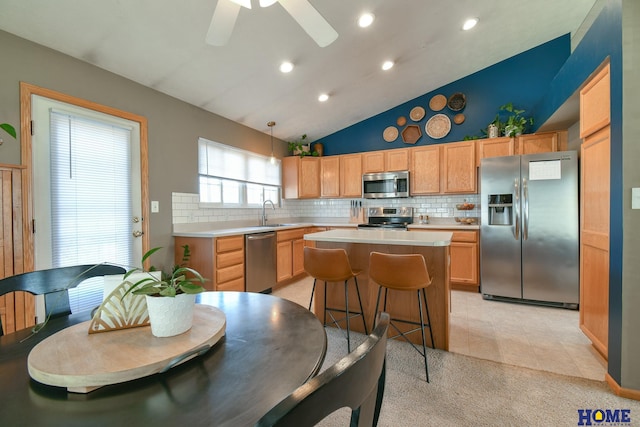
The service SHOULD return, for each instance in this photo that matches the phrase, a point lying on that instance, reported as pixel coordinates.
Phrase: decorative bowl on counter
(467, 220)
(465, 206)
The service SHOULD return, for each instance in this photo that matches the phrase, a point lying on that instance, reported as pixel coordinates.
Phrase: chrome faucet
(263, 219)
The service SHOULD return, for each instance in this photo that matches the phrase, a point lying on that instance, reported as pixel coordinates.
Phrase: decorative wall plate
(457, 101)
(438, 102)
(390, 134)
(411, 134)
(402, 120)
(438, 126)
(458, 118)
(417, 114)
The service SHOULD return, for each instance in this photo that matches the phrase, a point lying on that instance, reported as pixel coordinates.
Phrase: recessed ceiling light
(387, 65)
(266, 3)
(245, 3)
(365, 20)
(323, 97)
(469, 24)
(286, 67)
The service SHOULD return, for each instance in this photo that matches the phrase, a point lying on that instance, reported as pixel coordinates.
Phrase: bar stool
(332, 265)
(405, 272)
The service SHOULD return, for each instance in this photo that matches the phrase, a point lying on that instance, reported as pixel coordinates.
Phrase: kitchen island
(434, 246)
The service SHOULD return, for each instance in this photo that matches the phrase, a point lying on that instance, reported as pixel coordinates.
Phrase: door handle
(516, 192)
(525, 214)
(137, 233)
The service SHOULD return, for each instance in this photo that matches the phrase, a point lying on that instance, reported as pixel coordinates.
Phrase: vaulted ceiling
(161, 44)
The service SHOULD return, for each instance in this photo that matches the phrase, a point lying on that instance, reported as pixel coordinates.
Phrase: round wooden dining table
(271, 347)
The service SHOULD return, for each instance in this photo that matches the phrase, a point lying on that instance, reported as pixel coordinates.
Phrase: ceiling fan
(226, 13)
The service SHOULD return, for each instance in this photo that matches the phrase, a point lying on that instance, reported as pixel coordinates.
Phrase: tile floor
(542, 338)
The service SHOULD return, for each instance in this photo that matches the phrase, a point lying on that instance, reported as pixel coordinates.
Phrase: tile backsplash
(186, 208)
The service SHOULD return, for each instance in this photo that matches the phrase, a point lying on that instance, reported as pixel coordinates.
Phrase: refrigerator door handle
(516, 223)
(525, 214)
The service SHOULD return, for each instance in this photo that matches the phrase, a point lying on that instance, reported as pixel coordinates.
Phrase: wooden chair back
(54, 284)
(356, 381)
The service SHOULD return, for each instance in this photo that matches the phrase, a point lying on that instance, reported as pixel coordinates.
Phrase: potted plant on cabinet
(170, 299)
(516, 123)
(301, 147)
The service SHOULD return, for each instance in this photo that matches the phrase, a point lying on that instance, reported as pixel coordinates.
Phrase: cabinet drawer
(231, 243)
(227, 259)
(229, 273)
(232, 285)
(296, 233)
(464, 236)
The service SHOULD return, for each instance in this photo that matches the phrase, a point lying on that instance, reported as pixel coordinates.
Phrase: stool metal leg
(364, 321)
(424, 347)
(426, 305)
(324, 314)
(312, 292)
(346, 302)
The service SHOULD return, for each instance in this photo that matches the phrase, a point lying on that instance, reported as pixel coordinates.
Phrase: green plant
(298, 146)
(176, 282)
(9, 129)
(516, 123)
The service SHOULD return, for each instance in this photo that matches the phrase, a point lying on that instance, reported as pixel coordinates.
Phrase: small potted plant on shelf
(301, 147)
(171, 297)
(516, 123)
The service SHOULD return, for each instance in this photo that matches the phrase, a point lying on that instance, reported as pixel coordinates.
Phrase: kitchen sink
(276, 225)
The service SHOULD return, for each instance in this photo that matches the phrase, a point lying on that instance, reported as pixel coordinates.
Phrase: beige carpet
(466, 391)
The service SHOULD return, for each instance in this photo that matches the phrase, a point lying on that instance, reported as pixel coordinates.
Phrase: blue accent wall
(522, 79)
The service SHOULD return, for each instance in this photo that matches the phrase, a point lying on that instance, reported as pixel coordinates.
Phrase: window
(236, 178)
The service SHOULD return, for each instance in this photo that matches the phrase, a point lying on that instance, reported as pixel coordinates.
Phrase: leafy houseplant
(301, 147)
(171, 298)
(516, 123)
(9, 129)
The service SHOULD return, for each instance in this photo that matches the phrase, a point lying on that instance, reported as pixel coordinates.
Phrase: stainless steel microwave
(385, 185)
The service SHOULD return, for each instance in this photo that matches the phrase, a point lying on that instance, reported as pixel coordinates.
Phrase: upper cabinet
(459, 173)
(301, 177)
(495, 147)
(385, 161)
(424, 170)
(351, 175)
(330, 176)
(537, 143)
(523, 144)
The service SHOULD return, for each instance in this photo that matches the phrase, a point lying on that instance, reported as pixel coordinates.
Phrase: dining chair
(356, 381)
(54, 284)
(332, 265)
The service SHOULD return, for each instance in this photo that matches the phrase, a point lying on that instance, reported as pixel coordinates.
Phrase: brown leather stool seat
(332, 265)
(403, 272)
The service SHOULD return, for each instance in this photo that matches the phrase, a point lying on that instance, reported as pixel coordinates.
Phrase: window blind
(90, 198)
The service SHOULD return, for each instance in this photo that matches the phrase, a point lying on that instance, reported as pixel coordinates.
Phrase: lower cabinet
(464, 259)
(220, 260)
(289, 254)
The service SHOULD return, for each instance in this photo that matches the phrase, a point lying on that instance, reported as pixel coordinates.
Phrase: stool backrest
(329, 265)
(399, 271)
(356, 381)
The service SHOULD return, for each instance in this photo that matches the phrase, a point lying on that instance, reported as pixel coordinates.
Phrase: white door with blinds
(86, 192)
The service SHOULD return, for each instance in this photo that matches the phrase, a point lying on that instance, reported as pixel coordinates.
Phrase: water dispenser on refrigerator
(500, 209)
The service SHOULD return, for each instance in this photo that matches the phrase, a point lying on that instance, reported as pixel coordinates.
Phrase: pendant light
(271, 124)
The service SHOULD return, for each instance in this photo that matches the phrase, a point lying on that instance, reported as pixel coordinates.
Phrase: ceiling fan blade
(222, 22)
(311, 21)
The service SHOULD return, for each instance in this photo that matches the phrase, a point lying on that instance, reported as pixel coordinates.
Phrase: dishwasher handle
(260, 236)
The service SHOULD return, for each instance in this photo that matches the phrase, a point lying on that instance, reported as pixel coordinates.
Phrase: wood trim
(26, 90)
(629, 393)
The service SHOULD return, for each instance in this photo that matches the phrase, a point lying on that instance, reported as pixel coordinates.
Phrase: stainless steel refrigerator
(529, 228)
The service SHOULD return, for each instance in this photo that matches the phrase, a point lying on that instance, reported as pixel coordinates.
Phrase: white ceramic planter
(170, 316)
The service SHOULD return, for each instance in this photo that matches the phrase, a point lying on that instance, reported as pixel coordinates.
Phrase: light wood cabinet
(351, 175)
(495, 147)
(289, 254)
(385, 160)
(465, 260)
(17, 309)
(459, 170)
(301, 177)
(595, 130)
(424, 171)
(219, 260)
(537, 143)
(330, 176)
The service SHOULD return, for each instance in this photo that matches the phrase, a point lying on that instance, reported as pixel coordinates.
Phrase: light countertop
(385, 237)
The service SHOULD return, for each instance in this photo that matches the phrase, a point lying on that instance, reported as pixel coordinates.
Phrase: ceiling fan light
(469, 24)
(365, 20)
(243, 3)
(286, 67)
(267, 3)
(387, 65)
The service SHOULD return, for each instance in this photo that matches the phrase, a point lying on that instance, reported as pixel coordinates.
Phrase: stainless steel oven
(385, 185)
(388, 218)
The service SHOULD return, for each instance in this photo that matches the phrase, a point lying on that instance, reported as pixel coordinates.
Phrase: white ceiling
(161, 44)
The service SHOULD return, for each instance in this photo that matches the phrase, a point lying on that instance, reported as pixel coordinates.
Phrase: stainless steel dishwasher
(260, 261)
